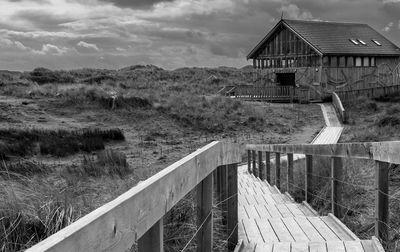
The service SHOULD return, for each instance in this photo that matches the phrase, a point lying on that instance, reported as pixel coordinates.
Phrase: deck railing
(268, 93)
(137, 215)
(374, 92)
(383, 153)
(337, 103)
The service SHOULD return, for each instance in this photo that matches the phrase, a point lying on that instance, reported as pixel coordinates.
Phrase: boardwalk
(272, 221)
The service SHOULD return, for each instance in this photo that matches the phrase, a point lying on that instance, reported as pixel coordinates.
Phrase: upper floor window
(361, 42)
(354, 41)
(376, 42)
(358, 62)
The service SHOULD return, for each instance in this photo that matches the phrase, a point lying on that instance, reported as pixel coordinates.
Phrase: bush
(107, 162)
(22, 167)
(43, 75)
(60, 143)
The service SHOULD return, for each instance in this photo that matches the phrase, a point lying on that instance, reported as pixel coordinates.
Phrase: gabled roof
(334, 38)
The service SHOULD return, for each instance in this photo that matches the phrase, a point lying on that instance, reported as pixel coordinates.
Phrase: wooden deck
(272, 221)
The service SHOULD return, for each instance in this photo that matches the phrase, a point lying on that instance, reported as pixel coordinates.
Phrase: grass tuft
(107, 162)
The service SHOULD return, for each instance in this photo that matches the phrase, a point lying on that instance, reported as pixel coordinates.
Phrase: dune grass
(60, 143)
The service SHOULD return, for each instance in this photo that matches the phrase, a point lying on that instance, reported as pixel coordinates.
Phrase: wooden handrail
(337, 103)
(379, 151)
(374, 92)
(137, 214)
(383, 153)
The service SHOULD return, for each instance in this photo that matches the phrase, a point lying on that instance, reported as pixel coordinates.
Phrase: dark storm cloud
(135, 4)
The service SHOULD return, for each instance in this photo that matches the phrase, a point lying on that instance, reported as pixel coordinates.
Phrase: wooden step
(313, 246)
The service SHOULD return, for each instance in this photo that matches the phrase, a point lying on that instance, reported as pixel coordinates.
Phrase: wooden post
(308, 176)
(289, 175)
(336, 188)
(204, 214)
(249, 161)
(254, 161)
(224, 191)
(232, 206)
(260, 165)
(268, 166)
(278, 170)
(152, 240)
(382, 200)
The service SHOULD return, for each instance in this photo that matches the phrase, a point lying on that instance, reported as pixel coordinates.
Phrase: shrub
(22, 167)
(21, 142)
(43, 75)
(107, 162)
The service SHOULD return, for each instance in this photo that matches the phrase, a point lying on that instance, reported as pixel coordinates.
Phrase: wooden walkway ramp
(270, 221)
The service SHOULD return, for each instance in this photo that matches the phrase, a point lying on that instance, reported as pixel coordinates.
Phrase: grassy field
(76, 140)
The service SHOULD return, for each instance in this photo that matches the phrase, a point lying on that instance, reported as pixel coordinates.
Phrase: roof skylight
(354, 41)
(376, 42)
(362, 42)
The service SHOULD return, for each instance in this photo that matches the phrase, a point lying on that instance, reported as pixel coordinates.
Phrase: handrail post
(224, 190)
(336, 189)
(254, 161)
(260, 165)
(308, 176)
(289, 174)
(381, 200)
(232, 206)
(268, 166)
(204, 214)
(278, 170)
(152, 240)
(249, 161)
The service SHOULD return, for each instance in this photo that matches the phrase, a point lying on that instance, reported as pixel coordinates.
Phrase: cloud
(139, 4)
(388, 27)
(50, 49)
(92, 47)
(292, 11)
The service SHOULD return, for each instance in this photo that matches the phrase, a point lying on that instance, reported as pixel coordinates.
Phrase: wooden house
(324, 57)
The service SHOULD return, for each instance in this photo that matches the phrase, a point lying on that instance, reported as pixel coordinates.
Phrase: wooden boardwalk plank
(252, 231)
(309, 229)
(262, 247)
(242, 232)
(299, 247)
(337, 229)
(294, 209)
(273, 211)
(353, 246)
(317, 246)
(281, 230)
(323, 229)
(294, 229)
(242, 212)
(252, 212)
(262, 212)
(266, 231)
(285, 212)
(335, 246)
(281, 247)
(368, 245)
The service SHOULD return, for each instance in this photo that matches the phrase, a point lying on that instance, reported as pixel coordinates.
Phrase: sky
(71, 34)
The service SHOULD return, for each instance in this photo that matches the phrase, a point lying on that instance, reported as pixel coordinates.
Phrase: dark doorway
(286, 79)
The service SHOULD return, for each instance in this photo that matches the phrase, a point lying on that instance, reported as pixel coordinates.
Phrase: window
(366, 61)
(350, 62)
(334, 62)
(361, 42)
(358, 62)
(372, 61)
(376, 42)
(354, 41)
